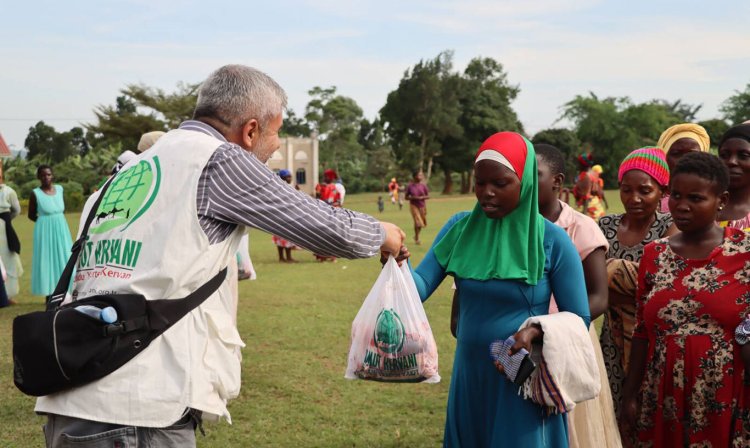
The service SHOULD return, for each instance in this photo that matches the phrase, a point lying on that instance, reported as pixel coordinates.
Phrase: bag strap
(163, 313)
(56, 298)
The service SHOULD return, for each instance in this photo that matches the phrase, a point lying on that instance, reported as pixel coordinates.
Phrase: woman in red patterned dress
(685, 382)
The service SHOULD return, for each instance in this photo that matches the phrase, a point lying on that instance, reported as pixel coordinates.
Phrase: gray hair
(234, 94)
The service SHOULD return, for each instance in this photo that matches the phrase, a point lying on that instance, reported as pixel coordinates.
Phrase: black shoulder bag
(61, 347)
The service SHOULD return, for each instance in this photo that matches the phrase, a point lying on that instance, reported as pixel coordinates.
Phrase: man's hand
(403, 254)
(394, 238)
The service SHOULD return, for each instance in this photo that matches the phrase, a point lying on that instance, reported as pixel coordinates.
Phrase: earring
(721, 207)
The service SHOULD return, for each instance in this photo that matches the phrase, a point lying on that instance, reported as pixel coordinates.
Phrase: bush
(74, 201)
(74, 198)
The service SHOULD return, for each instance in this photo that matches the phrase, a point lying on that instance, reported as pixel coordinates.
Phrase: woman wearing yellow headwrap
(679, 140)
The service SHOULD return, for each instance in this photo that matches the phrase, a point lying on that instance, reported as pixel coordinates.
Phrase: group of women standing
(52, 240)
(672, 278)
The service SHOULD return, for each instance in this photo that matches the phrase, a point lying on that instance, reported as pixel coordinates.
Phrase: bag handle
(56, 298)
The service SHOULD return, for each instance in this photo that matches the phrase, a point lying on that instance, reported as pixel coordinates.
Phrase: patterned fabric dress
(620, 319)
(693, 389)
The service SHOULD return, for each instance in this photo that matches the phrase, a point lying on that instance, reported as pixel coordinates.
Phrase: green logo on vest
(128, 197)
(389, 332)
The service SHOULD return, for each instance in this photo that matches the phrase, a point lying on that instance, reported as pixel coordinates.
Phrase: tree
(122, 124)
(485, 98)
(715, 127)
(563, 139)
(422, 111)
(44, 143)
(685, 112)
(381, 162)
(736, 108)
(141, 109)
(78, 139)
(337, 120)
(294, 126)
(612, 127)
(172, 108)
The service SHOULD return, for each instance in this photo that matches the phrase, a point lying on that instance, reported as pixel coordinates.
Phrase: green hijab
(509, 248)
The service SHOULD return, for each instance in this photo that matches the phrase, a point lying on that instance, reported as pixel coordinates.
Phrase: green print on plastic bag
(389, 332)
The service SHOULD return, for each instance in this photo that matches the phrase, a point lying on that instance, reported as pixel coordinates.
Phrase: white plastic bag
(391, 338)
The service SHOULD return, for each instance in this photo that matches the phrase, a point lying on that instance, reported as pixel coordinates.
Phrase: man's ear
(250, 133)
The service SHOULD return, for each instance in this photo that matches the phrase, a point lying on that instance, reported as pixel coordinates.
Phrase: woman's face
(640, 194)
(680, 148)
(498, 189)
(735, 153)
(45, 176)
(694, 202)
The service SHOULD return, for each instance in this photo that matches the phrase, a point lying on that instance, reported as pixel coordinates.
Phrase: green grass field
(295, 320)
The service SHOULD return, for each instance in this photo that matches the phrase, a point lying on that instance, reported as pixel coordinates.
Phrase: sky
(59, 60)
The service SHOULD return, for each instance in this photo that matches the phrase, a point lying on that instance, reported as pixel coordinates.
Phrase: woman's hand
(403, 254)
(523, 338)
(628, 420)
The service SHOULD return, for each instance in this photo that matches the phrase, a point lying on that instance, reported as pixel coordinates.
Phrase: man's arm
(239, 189)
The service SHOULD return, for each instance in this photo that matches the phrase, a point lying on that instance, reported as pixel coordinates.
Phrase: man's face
(268, 142)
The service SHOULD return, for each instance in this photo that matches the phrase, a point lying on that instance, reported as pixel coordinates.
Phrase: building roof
(4, 150)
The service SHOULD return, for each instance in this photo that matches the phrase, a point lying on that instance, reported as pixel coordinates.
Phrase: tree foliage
(141, 109)
(422, 111)
(736, 108)
(715, 127)
(566, 141)
(485, 97)
(294, 126)
(612, 127)
(45, 143)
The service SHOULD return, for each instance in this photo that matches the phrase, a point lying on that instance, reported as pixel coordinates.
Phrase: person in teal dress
(506, 260)
(52, 240)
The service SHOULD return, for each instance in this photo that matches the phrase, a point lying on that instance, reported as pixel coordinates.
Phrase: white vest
(146, 239)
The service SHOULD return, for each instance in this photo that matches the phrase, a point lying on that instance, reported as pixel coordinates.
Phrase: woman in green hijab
(506, 260)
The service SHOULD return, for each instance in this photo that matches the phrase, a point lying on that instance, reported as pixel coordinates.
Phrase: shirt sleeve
(240, 189)
(589, 238)
(566, 277)
(15, 206)
(644, 287)
(429, 274)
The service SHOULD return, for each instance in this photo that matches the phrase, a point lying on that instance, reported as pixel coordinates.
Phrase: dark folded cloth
(14, 244)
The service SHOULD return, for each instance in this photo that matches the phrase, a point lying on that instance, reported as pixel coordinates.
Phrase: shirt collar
(199, 126)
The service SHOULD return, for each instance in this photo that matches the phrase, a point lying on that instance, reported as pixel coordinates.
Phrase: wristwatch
(742, 333)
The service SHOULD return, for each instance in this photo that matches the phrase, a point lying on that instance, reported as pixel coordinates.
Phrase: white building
(300, 157)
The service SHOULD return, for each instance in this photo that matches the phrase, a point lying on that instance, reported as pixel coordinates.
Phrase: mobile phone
(517, 367)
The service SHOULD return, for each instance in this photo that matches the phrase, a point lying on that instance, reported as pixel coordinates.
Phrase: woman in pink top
(591, 423)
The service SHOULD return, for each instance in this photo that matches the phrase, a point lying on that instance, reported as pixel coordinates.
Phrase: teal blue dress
(52, 242)
(484, 408)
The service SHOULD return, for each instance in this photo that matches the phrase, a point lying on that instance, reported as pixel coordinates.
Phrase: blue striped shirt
(235, 188)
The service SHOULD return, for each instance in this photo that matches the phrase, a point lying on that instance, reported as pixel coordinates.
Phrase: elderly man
(184, 205)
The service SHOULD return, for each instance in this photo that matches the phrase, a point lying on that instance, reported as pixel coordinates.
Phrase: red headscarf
(511, 145)
(330, 174)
